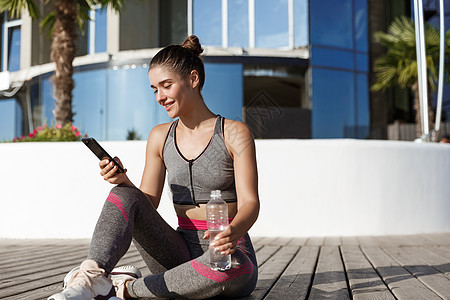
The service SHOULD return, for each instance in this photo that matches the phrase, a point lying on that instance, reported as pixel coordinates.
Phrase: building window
(276, 24)
(97, 31)
(10, 119)
(93, 39)
(337, 30)
(172, 22)
(238, 25)
(271, 24)
(139, 25)
(276, 103)
(10, 44)
(207, 21)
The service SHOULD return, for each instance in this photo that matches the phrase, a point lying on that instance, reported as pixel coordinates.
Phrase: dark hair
(182, 58)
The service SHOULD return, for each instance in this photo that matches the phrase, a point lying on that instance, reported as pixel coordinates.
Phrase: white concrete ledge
(307, 188)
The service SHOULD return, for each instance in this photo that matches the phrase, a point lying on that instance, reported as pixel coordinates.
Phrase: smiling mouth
(168, 105)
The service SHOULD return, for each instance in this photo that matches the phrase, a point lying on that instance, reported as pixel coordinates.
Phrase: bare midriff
(199, 213)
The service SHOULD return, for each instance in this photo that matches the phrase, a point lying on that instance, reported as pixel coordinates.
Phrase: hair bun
(192, 43)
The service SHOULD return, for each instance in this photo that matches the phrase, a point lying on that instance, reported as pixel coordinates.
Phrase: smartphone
(95, 147)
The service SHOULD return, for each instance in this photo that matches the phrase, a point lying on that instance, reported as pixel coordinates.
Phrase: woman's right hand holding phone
(108, 170)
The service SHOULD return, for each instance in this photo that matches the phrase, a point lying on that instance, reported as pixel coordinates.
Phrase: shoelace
(84, 278)
(119, 287)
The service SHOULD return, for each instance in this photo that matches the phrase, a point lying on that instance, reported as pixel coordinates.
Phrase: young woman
(201, 152)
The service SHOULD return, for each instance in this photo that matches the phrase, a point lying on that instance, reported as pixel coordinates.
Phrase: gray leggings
(177, 259)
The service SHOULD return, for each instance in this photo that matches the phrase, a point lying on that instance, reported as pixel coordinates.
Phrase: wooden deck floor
(388, 267)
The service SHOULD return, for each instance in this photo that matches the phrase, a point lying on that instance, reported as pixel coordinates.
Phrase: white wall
(307, 188)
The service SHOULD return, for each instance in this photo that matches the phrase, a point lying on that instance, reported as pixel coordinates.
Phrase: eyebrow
(161, 82)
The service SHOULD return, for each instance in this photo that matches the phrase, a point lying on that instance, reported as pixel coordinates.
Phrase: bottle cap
(216, 193)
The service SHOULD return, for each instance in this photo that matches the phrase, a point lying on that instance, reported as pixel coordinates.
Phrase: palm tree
(62, 22)
(399, 65)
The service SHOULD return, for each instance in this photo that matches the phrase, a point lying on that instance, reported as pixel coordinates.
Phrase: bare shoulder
(238, 136)
(160, 130)
(157, 136)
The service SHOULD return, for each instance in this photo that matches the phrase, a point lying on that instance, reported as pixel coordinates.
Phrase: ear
(194, 79)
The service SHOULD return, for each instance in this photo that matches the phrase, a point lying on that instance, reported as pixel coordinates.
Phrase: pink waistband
(193, 224)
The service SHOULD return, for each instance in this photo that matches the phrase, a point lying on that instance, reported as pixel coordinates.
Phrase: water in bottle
(217, 221)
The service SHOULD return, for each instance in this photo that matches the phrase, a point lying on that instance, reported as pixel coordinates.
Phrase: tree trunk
(63, 53)
(415, 90)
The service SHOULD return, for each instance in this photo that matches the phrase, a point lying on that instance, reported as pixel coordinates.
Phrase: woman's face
(171, 91)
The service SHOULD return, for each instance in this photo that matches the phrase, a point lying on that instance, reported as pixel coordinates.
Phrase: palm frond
(83, 8)
(14, 8)
(47, 23)
(117, 5)
(400, 58)
(432, 72)
(408, 74)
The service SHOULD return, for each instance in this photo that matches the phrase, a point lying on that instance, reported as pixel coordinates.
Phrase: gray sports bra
(191, 181)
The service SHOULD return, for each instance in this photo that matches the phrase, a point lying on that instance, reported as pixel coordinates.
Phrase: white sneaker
(84, 283)
(120, 275)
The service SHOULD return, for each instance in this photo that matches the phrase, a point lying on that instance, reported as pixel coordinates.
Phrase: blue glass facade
(10, 119)
(110, 102)
(301, 26)
(207, 21)
(339, 64)
(100, 30)
(271, 28)
(238, 26)
(273, 34)
(14, 49)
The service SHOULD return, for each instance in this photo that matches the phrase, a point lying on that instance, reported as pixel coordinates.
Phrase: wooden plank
(429, 276)
(265, 253)
(329, 279)
(315, 241)
(296, 279)
(431, 259)
(349, 241)
(257, 247)
(277, 241)
(427, 240)
(442, 239)
(255, 239)
(42, 288)
(41, 261)
(402, 284)
(441, 251)
(332, 241)
(364, 281)
(297, 241)
(13, 250)
(266, 241)
(367, 240)
(430, 256)
(388, 241)
(416, 240)
(44, 265)
(269, 272)
(397, 240)
(46, 291)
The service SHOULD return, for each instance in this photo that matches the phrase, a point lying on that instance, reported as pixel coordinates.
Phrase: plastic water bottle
(217, 221)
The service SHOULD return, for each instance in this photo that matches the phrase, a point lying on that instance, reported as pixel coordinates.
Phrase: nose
(160, 97)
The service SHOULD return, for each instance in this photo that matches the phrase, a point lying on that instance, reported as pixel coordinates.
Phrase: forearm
(245, 218)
